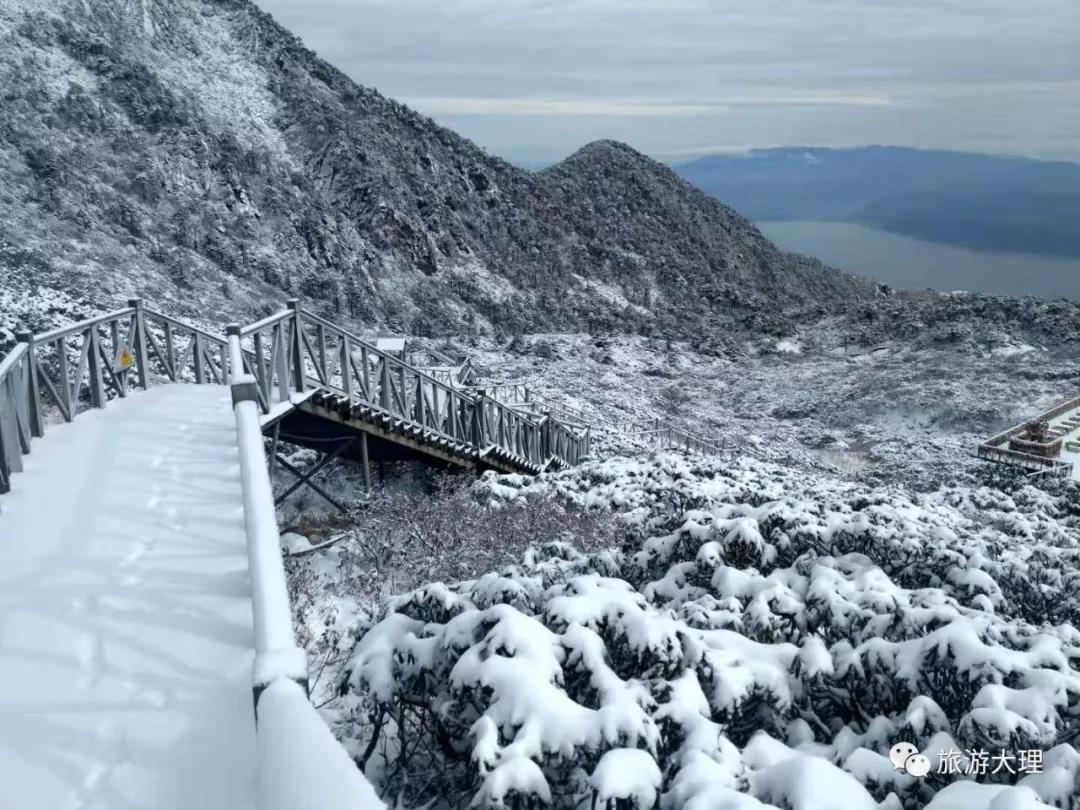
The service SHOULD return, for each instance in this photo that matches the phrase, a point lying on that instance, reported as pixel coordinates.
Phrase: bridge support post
(142, 357)
(306, 477)
(273, 450)
(365, 462)
(33, 394)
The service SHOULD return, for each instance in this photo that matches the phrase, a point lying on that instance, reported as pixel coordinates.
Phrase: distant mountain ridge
(196, 153)
(959, 198)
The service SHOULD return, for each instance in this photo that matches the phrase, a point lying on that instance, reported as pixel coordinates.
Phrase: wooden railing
(295, 350)
(997, 447)
(1004, 455)
(82, 366)
(439, 364)
(664, 437)
(655, 432)
(525, 398)
(15, 413)
(1059, 470)
(74, 368)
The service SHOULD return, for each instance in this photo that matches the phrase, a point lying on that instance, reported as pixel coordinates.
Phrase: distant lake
(908, 263)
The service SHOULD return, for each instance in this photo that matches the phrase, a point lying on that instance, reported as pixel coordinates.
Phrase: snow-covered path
(125, 612)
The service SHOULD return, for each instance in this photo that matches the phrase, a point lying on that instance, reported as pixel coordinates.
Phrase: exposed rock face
(194, 152)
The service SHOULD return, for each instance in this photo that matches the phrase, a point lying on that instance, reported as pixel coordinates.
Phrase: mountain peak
(609, 152)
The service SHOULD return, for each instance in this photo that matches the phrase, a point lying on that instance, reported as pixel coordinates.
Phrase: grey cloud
(533, 80)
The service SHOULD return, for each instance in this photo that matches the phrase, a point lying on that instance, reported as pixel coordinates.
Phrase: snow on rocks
(761, 641)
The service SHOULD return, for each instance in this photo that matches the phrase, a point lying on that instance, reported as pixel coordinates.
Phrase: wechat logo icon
(904, 756)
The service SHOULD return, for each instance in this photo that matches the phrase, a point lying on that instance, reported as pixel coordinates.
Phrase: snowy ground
(125, 613)
(897, 412)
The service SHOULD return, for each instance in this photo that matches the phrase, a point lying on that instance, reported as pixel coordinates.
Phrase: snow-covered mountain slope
(196, 153)
(909, 409)
(761, 641)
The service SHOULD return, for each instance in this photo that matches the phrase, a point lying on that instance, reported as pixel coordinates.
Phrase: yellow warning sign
(127, 359)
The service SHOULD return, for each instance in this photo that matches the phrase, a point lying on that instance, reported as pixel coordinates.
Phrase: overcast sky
(532, 80)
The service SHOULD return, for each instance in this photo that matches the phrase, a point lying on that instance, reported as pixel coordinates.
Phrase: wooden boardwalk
(126, 614)
(315, 382)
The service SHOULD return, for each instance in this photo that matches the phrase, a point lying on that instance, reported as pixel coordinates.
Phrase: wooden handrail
(266, 322)
(81, 326)
(217, 340)
(12, 359)
(372, 349)
(145, 341)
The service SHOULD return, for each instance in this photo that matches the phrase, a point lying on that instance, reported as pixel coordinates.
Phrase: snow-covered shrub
(762, 646)
(396, 541)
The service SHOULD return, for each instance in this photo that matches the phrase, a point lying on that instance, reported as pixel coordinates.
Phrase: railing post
(418, 406)
(346, 368)
(451, 414)
(385, 386)
(170, 354)
(197, 356)
(261, 377)
(297, 345)
(10, 448)
(235, 354)
(68, 406)
(120, 375)
(93, 366)
(279, 346)
(476, 430)
(33, 395)
(5, 469)
(142, 356)
(320, 335)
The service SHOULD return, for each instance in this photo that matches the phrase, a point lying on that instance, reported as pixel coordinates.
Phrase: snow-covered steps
(125, 612)
(342, 418)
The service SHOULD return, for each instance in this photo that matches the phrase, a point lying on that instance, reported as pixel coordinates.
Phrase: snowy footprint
(113, 748)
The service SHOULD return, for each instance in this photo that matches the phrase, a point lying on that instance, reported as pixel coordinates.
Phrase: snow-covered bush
(763, 646)
(394, 541)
